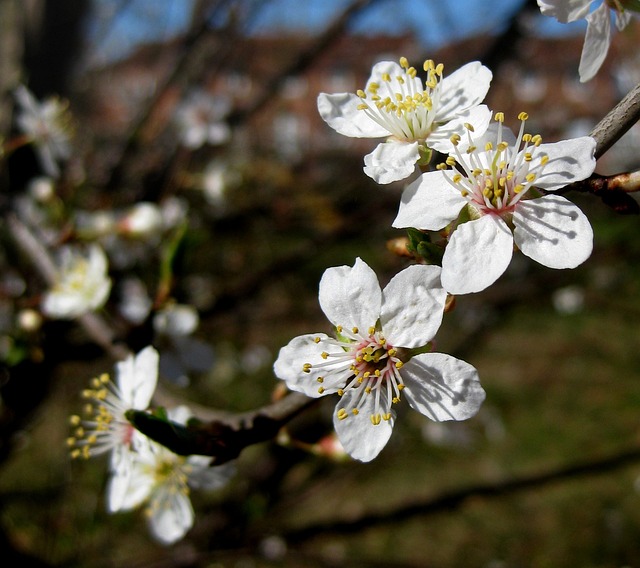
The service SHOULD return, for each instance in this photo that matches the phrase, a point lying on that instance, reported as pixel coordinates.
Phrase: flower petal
(429, 203)
(569, 160)
(303, 350)
(340, 112)
(477, 254)
(137, 378)
(565, 10)
(351, 296)
(412, 306)
(359, 437)
(463, 89)
(596, 42)
(171, 516)
(442, 387)
(204, 476)
(553, 231)
(391, 161)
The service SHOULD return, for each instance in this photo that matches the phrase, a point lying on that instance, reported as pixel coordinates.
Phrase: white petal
(171, 516)
(129, 487)
(359, 437)
(203, 476)
(477, 254)
(429, 203)
(137, 378)
(442, 387)
(569, 160)
(565, 10)
(412, 306)
(340, 112)
(596, 42)
(391, 161)
(463, 89)
(351, 296)
(553, 231)
(303, 350)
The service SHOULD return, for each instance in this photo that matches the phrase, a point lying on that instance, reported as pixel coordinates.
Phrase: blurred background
(547, 474)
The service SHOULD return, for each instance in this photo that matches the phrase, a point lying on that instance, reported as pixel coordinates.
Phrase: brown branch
(620, 119)
(455, 499)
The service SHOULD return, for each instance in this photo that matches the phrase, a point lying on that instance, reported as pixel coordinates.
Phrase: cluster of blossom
(142, 472)
(492, 193)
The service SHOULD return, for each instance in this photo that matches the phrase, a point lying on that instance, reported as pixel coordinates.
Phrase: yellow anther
(71, 442)
(455, 139)
(488, 146)
(362, 106)
(316, 340)
(340, 392)
(320, 390)
(488, 183)
(386, 77)
(75, 420)
(456, 178)
(367, 390)
(320, 379)
(502, 146)
(395, 400)
(361, 94)
(526, 137)
(338, 329)
(469, 127)
(518, 188)
(342, 414)
(544, 159)
(306, 368)
(377, 372)
(400, 386)
(527, 156)
(400, 79)
(355, 330)
(523, 116)
(531, 177)
(499, 117)
(441, 166)
(439, 69)
(537, 140)
(412, 72)
(428, 65)
(450, 161)
(471, 149)
(355, 412)
(392, 352)
(376, 419)
(399, 365)
(324, 355)
(464, 193)
(367, 374)
(387, 416)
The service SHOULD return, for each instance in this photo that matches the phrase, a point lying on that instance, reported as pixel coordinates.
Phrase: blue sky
(120, 26)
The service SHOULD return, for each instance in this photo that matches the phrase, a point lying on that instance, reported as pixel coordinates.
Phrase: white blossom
(161, 481)
(371, 363)
(81, 283)
(412, 116)
(501, 189)
(598, 36)
(200, 120)
(48, 127)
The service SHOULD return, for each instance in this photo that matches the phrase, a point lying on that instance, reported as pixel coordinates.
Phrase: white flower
(82, 284)
(598, 37)
(200, 120)
(106, 428)
(497, 185)
(162, 480)
(395, 104)
(141, 220)
(47, 125)
(369, 364)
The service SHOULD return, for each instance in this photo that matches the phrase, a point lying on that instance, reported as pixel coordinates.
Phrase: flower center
(494, 179)
(367, 366)
(400, 104)
(105, 426)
